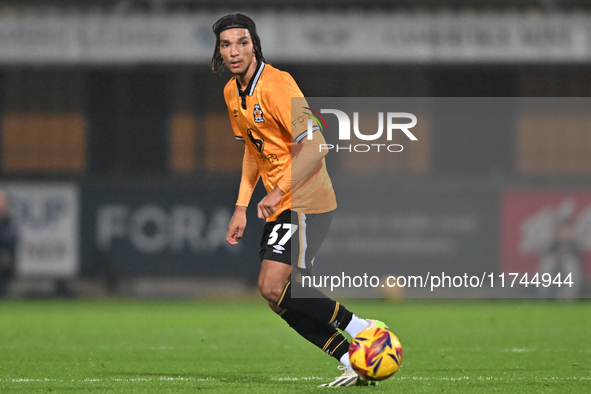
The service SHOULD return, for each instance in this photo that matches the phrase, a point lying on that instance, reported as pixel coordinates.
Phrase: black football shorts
(294, 238)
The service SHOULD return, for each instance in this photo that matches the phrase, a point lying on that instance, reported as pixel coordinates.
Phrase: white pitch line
(451, 379)
(125, 380)
(27, 380)
(303, 378)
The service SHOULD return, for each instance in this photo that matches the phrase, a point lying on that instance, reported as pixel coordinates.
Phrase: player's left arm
(250, 177)
(285, 96)
(294, 116)
(268, 205)
(302, 165)
(304, 162)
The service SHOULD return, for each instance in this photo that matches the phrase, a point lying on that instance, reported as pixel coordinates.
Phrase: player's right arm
(250, 177)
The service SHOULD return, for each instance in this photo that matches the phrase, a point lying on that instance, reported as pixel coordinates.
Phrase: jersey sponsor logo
(258, 114)
(258, 143)
(259, 146)
(278, 249)
(271, 158)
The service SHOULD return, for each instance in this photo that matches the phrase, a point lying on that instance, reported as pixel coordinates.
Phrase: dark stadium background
(139, 152)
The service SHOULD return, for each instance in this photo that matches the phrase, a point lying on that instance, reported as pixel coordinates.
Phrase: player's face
(237, 50)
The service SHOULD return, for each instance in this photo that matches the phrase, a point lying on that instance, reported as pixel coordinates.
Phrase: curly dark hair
(231, 21)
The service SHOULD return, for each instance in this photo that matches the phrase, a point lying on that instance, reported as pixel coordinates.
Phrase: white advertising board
(47, 215)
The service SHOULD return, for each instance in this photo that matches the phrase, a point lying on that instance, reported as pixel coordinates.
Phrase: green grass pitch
(114, 346)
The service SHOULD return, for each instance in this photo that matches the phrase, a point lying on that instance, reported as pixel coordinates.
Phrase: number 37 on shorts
(297, 232)
(274, 238)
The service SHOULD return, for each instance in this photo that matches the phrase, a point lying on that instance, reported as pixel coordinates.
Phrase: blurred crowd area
(198, 5)
(73, 118)
(114, 128)
(160, 120)
(130, 6)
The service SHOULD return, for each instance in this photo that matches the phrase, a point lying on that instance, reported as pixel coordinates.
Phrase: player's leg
(309, 233)
(327, 338)
(272, 279)
(275, 274)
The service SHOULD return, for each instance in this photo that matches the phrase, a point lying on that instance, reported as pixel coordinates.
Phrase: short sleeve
(228, 92)
(291, 109)
(235, 128)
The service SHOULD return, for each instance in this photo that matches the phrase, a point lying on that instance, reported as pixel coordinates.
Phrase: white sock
(355, 326)
(345, 359)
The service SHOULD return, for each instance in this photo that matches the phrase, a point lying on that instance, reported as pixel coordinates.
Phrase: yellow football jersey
(261, 116)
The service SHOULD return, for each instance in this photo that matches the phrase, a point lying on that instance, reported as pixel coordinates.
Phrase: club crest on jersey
(258, 114)
(235, 112)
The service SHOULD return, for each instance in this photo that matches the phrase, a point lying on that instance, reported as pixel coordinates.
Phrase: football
(375, 353)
